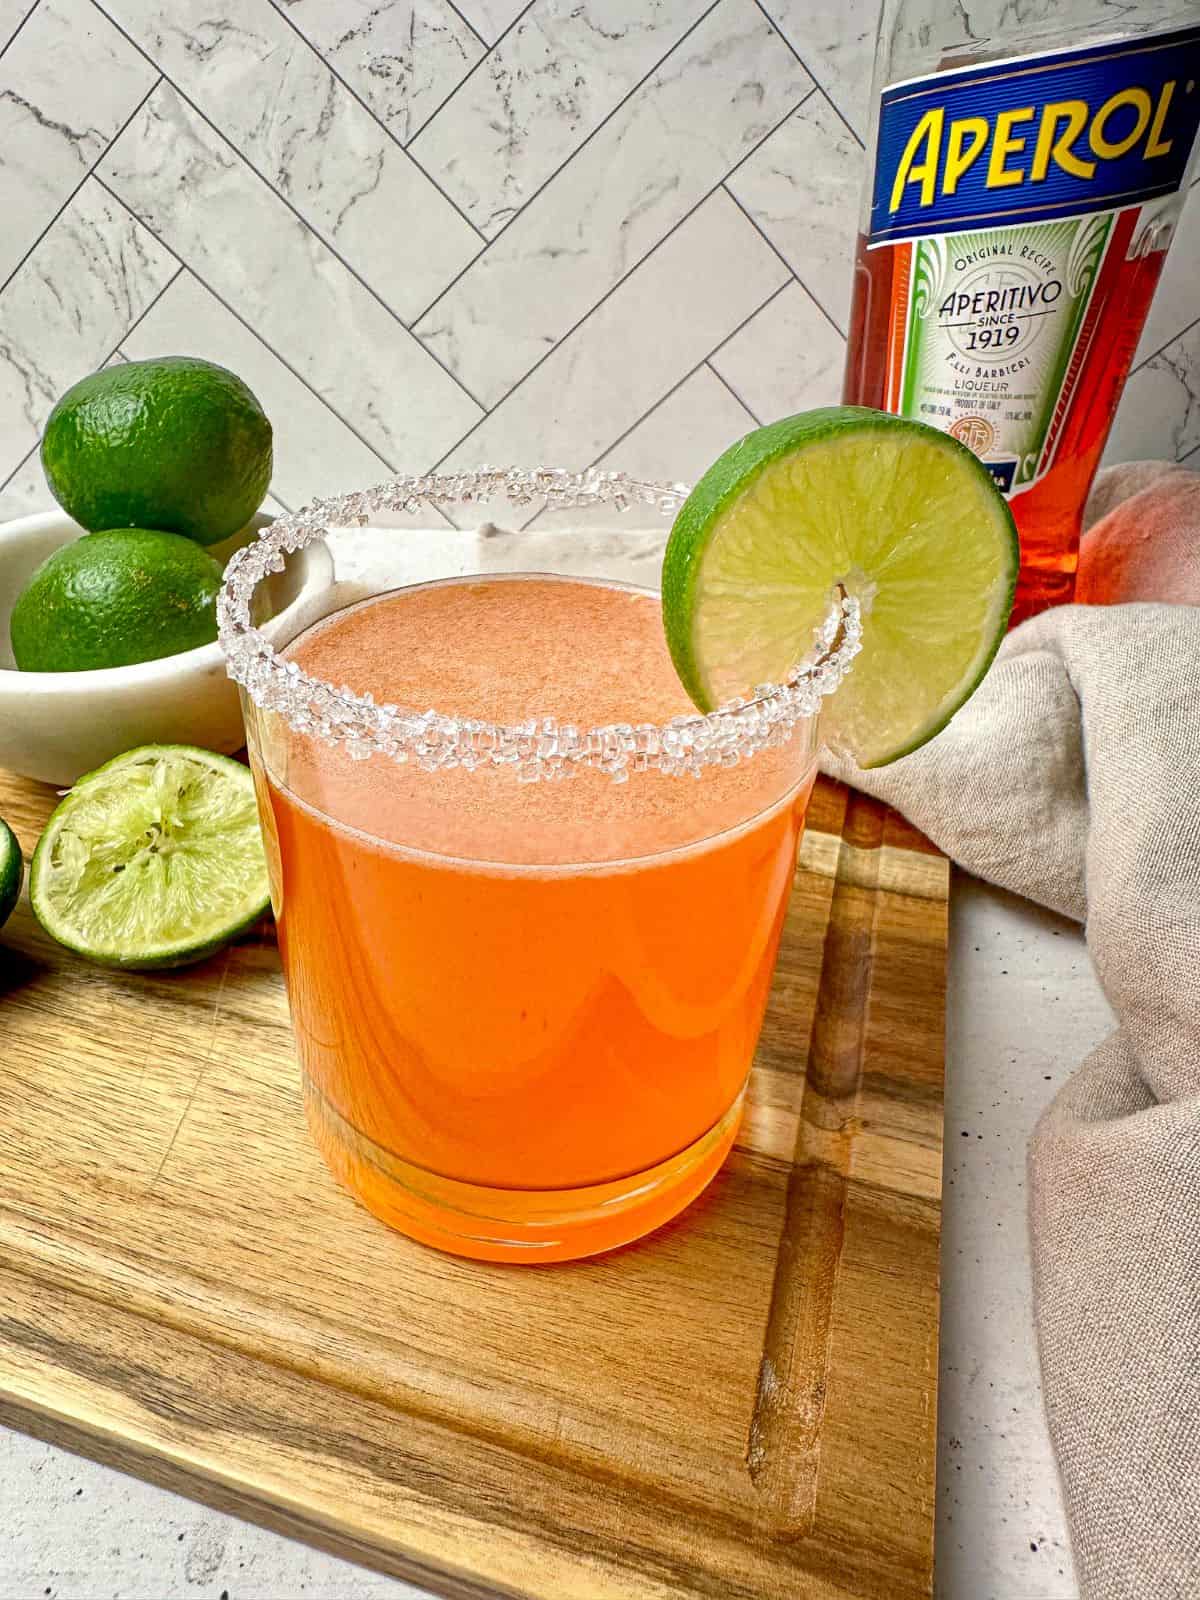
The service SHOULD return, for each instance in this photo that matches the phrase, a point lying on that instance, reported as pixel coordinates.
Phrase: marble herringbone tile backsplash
(453, 231)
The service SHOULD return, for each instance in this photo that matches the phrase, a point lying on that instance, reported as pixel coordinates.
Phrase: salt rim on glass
(540, 747)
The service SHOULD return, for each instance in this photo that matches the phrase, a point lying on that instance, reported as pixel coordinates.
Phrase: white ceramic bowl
(58, 725)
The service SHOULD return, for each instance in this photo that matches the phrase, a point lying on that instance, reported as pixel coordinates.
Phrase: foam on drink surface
(504, 649)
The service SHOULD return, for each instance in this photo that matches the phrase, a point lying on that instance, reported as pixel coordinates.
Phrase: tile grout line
(116, 350)
(449, 199)
(816, 81)
(543, 186)
(612, 289)
(88, 174)
(757, 226)
(19, 26)
(374, 116)
(832, 104)
(24, 461)
(192, 273)
(468, 24)
(647, 414)
(287, 366)
(146, 310)
(722, 379)
(758, 144)
(657, 406)
(717, 348)
(487, 50)
(220, 299)
(316, 232)
(1154, 354)
(705, 361)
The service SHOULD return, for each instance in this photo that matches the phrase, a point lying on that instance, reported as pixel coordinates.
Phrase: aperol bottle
(1026, 182)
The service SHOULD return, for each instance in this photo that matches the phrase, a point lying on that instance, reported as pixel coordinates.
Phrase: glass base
(523, 1225)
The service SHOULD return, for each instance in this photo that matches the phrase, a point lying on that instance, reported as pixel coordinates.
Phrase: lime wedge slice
(901, 516)
(153, 860)
(12, 870)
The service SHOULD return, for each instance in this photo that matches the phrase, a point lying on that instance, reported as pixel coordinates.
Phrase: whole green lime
(173, 443)
(113, 598)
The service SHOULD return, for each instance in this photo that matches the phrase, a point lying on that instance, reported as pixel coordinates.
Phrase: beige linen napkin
(1073, 777)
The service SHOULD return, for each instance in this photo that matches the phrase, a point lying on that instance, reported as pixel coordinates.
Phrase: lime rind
(171, 442)
(12, 871)
(153, 860)
(898, 514)
(114, 599)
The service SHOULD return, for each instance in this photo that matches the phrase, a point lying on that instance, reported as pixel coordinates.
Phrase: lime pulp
(897, 514)
(153, 860)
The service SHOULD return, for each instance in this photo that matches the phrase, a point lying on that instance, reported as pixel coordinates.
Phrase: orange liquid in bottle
(525, 1012)
(1049, 514)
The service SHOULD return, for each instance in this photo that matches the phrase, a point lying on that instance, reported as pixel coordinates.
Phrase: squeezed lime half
(153, 860)
(896, 513)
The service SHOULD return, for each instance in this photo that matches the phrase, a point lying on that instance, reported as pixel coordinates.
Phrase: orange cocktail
(525, 1011)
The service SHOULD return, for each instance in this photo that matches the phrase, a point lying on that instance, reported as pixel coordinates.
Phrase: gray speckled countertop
(1024, 1006)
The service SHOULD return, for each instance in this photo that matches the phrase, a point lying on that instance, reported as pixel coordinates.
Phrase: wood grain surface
(743, 1405)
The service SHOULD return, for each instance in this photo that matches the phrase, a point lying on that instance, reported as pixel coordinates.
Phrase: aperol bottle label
(992, 324)
(1002, 189)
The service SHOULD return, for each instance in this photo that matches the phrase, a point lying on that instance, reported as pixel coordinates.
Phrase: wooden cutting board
(742, 1406)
